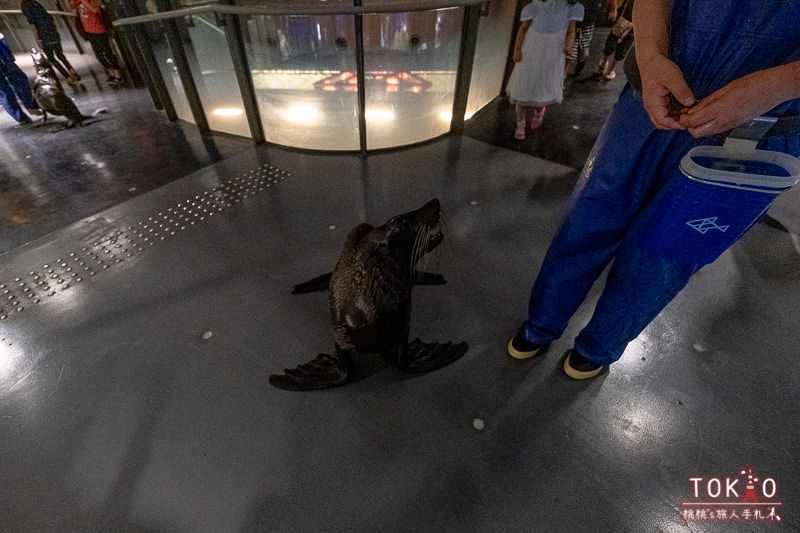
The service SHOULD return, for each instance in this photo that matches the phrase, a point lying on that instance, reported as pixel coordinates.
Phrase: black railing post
(360, 79)
(184, 70)
(157, 86)
(466, 59)
(233, 32)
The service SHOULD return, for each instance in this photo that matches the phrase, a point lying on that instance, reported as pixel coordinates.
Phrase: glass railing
(323, 75)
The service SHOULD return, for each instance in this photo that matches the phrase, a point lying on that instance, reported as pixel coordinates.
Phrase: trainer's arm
(660, 76)
(740, 100)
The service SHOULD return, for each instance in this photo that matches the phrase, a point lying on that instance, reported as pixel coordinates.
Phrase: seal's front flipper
(320, 283)
(423, 356)
(428, 278)
(322, 372)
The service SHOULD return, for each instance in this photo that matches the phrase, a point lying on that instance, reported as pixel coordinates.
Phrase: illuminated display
(386, 80)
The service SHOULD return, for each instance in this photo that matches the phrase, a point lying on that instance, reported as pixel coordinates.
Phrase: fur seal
(50, 95)
(369, 294)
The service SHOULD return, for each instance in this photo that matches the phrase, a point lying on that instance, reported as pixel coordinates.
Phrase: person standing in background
(584, 33)
(91, 26)
(618, 43)
(46, 35)
(542, 42)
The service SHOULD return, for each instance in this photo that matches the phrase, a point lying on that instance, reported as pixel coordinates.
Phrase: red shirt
(92, 21)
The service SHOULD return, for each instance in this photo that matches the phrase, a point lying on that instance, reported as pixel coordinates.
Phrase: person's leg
(639, 284)
(19, 81)
(587, 33)
(621, 175)
(102, 47)
(624, 46)
(574, 51)
(619, 54)
(538, 117)
(520, 113)
(59, 52)
(98, 42)
(8, 99)
(608, 56)
(638, 287)
(49, 51)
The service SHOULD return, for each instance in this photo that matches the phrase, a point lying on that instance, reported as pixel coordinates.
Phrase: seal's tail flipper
(428, 278)
(426, 356)
(322, 372)
(320, 283)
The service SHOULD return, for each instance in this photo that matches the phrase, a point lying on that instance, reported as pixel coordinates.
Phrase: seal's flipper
(421, 356)
(428, 278)
(322, 372)
(320, 283)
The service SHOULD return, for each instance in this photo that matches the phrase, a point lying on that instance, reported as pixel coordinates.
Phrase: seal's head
(39, 61)
(408, 237)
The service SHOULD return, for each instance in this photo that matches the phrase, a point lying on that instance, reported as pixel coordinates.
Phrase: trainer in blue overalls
(14, 83)
(723, 62)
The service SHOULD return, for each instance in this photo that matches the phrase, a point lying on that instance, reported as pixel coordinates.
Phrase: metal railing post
(360, 79)
(233, 32)
(159, 91)
(184, 70)
(466, 60)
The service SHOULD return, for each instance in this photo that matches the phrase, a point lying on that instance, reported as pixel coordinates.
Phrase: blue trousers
(14, 83)
(630, 163)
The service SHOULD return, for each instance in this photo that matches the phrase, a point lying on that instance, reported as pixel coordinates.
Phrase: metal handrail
(322, 9)
(19, 12)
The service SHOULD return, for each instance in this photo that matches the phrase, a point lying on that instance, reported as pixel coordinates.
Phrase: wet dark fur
(369, 294)
(370, 289)
(50, 95)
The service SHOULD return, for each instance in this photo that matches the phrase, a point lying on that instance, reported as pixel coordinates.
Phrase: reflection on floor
(51, 176)
(140, 326)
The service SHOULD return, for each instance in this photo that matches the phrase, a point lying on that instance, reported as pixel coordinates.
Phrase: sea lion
(369, 294)
(50, 95)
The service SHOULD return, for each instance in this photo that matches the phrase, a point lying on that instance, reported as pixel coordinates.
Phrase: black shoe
(577, 366)
(25, 119)
(520, 348)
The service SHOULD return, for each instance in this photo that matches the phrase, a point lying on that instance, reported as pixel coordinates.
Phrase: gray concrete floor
(138, 337)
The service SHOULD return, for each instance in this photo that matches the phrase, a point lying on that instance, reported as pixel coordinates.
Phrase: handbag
(622, 25)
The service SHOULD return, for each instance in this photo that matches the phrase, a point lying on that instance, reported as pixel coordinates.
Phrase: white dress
(538, 79)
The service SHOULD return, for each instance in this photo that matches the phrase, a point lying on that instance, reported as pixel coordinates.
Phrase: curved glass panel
(491, 50)
(410, 63)
(166, 64)
(303, 72)
(206, 48)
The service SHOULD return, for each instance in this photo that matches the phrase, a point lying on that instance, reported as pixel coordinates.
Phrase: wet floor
(146, 275)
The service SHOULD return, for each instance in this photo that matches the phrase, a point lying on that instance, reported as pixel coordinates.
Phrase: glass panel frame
(303, 70)
(491, 54)
(410, 63)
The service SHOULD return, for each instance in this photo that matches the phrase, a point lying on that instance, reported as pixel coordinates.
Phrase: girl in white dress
(540, 48)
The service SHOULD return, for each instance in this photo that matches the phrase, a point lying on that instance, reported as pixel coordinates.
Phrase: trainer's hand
(732, 105)
(660, 79)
